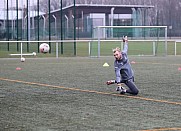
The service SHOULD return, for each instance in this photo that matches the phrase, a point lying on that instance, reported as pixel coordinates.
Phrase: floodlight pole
(61, 15)
(38, 24)
(17, 29)
(74, 28)
(23, 20)
(49, 25)
(12, 22)
(28, 23)
(7, 23)
(4, 15)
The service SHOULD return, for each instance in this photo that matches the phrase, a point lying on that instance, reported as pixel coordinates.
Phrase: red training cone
(18, 68)
(133, 62)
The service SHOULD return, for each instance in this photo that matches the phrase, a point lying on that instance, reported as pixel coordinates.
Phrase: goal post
(154, 35)
(177, 47)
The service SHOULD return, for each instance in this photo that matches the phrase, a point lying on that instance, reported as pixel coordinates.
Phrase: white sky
(12, 3)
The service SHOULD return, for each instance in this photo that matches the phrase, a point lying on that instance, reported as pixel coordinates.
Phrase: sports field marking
(163, 129)
(91, 91)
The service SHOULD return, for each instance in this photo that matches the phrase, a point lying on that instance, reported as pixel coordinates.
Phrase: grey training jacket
(122, 67)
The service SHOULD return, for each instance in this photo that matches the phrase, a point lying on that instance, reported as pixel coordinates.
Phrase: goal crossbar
(131, 26)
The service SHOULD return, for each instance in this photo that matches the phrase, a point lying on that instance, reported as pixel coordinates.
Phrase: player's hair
(116, 49)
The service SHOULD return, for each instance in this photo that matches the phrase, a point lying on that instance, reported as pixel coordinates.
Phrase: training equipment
(44, 48)
(133, 62)
(18, 68)
(144, 40)
(34, 53)
(122, 90)
(22, 59)
(21, 54)
(105, 65)
(118, 88)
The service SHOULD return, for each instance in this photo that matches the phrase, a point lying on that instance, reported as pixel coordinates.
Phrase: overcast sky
(12, 3)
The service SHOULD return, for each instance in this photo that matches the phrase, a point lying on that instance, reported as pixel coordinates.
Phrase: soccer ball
(22, 59)
(34, 53)
(44, 48)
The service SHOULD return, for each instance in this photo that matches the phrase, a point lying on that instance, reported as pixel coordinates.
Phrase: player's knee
(136, 92)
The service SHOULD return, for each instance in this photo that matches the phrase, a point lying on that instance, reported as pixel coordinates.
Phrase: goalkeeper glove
(110, 82)
(125, 39)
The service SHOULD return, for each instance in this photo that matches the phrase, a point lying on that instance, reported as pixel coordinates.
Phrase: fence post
(153, 48)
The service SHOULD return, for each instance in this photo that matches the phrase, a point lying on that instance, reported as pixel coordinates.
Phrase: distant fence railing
(89, 47)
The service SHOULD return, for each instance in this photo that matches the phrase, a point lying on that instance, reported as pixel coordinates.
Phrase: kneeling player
(123, 70)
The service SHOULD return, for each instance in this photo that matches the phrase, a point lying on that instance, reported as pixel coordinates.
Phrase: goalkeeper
(123, 71)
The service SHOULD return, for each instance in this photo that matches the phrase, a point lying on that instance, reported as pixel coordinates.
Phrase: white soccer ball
(34, 53)
(22, 59)
(44, 48)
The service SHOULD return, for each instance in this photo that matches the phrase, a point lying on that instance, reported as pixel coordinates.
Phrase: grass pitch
(49, 94)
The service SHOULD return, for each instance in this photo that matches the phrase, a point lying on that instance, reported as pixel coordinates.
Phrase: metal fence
(27, 23)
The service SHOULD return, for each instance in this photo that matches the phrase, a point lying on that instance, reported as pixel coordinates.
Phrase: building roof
(99, 8)
(119, 6)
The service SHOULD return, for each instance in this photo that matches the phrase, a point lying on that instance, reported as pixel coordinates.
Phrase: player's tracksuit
(124, 72)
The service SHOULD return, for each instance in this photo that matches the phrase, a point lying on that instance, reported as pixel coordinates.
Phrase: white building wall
(98, 19)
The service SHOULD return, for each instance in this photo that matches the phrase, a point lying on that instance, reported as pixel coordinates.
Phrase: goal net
(143, 40)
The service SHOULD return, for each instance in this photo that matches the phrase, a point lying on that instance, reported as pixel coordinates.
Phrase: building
(68, 22)
(90, 16)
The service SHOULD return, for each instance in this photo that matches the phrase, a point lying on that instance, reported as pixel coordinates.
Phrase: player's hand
(125, 39)
(110, 82)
